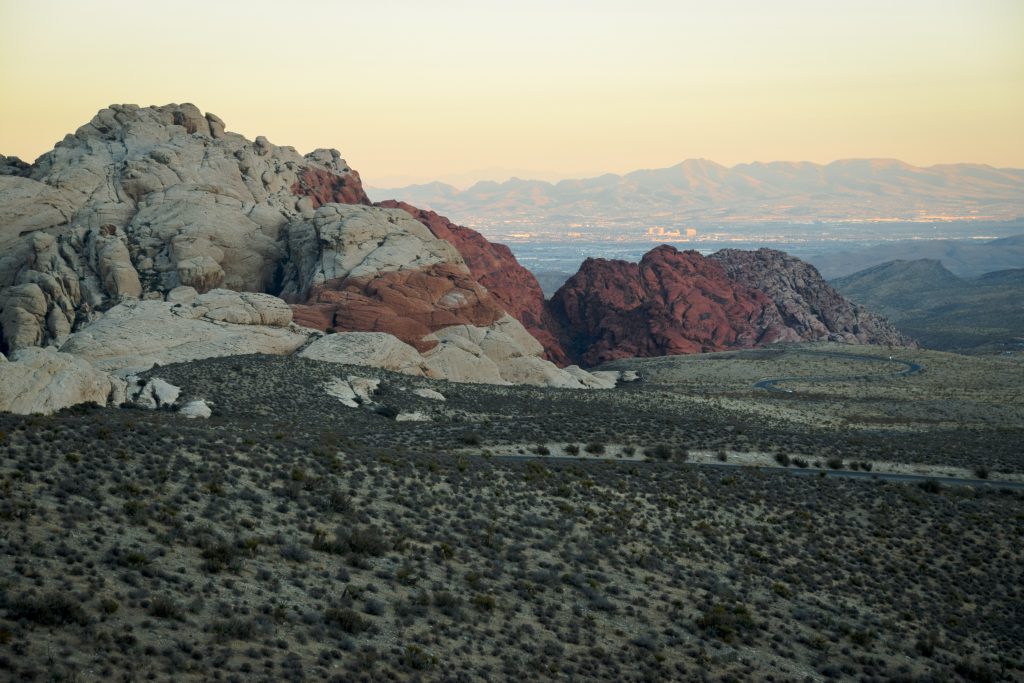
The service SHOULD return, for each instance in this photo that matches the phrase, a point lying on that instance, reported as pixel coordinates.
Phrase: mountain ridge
(925, 299)
(704, 190)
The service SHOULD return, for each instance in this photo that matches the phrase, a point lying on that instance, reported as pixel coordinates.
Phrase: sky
(414, 91)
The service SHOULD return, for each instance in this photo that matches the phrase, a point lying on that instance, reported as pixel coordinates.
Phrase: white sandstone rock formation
(198, 408)
(144, 200)
(502, 353)
(355, 241)
(136, 335)
(430, 393)
(152, 394)
(416, 416)
(353, 391)
(43, 380)
(373, 349)
(123, 245)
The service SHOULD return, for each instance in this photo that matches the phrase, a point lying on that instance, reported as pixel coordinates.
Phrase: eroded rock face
(140, 201)
(375, 349)
(672, 302)
(367, 269)
(500, 353)
(495, 267)
(43, 380)
(806, 303)
(136, 335)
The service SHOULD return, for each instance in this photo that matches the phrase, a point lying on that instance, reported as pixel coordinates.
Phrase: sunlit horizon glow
(458, 91)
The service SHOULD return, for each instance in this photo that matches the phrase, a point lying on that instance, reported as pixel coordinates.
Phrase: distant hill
(702, 191)
(964, 258)
(942, 311)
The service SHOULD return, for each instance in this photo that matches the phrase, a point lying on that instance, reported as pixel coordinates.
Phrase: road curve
(796, 471)
(771, 383)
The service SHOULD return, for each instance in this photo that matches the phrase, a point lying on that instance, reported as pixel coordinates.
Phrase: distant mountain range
(928, 302)
(701, 192)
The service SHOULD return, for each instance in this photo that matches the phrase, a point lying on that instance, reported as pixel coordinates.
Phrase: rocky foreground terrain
(339, 522)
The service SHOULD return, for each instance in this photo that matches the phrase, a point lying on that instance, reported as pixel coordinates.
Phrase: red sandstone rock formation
(806, 302)
(670, 303)
(494, 266)
(406, 303)
(324, 187)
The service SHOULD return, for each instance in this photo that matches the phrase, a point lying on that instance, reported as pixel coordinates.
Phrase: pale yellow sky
(415, 91)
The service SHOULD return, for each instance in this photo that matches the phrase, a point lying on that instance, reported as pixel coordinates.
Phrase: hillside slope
(925, 300)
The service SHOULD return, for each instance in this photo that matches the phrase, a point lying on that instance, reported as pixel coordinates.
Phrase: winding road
(771, 384)
(909, 368)
(796, 471)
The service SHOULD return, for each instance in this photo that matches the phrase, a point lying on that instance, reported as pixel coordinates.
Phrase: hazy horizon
(464, 180)
(412, 93)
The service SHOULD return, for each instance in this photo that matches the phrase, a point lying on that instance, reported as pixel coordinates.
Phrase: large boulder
(375, 349)
(43, 380)
(500, 353)
(140, 201)
(136, 335)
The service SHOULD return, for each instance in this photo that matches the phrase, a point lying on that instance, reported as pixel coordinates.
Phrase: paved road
(909, 368)
(797, 471)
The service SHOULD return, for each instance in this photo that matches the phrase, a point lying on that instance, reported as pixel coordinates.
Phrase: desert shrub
(541, 449)
(448, 603)
(782, 459)
(594, 448)
(572, 449)
(725, 622)
(366, 541)
(925, 645)
(50, 609)
(981, 472)
(471, 439)
(930, 486)
(659, 452)
(800, 462)
(234, 628)
(219, 555)
(348, 620)
(834, 463)
(721, 456)
(416, 658)
(295, 553)
(338, 501)
(163, 607)
(483, 602)
(109, 605)
(389, 412)
(976, 671)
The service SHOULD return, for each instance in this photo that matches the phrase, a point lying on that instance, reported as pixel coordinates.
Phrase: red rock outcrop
(672, 302)
(496, 268)
(324, 187)
(409, 304)
(805, 301)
